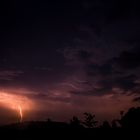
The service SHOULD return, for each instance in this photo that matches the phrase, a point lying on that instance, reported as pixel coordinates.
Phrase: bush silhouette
(75, 122)
(131, 119)
(105, 125)
(115, 124)
(89, 121)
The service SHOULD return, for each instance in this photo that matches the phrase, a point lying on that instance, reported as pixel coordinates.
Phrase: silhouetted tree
(75, 122)
(49, 120)
(121, 113)
(131, 119)
(89, 121)
(106, 125)
(114, 124)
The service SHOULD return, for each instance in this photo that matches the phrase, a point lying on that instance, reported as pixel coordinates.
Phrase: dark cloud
(123, 82)
(106, 75)
(94, 92)
(137, 99)
(9, 75)
(129, 59)
(102, 70)
(123, 85)
(84, 55)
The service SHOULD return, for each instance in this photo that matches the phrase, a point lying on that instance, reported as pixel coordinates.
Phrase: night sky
(59, 59)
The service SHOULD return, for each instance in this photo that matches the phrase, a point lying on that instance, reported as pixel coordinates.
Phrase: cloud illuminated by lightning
(16, 102)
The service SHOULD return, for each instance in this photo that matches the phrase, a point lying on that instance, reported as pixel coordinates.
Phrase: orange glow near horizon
(16, 102)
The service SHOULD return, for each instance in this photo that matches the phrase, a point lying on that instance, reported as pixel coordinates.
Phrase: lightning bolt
(20, 113)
